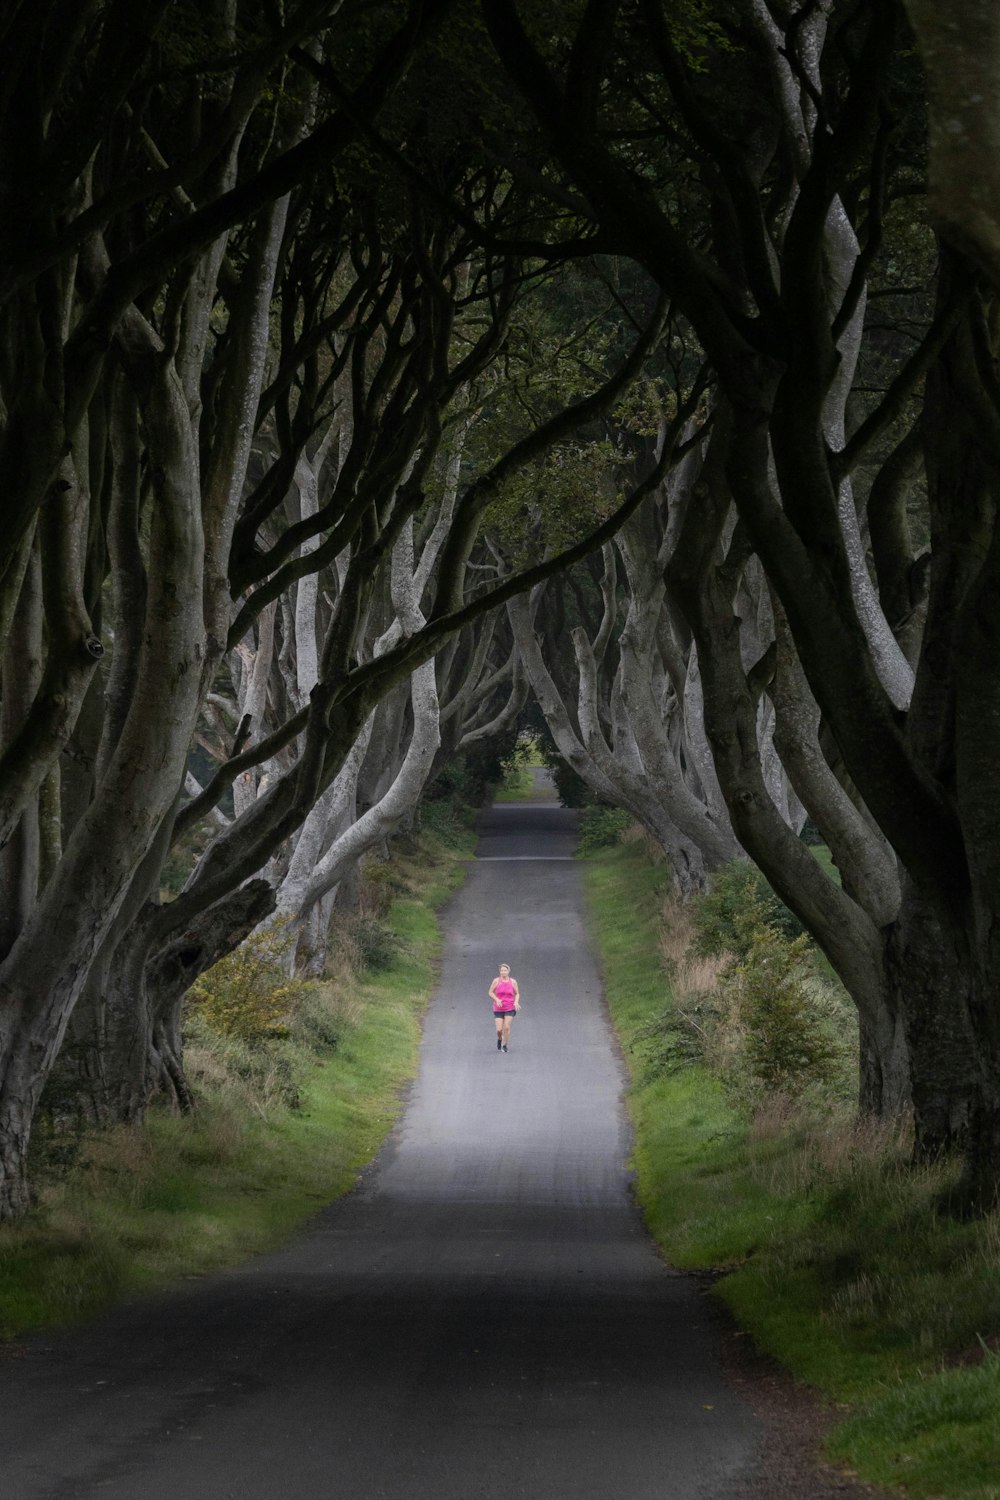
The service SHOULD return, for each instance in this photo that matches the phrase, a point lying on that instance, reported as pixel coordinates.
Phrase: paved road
(484, 1318)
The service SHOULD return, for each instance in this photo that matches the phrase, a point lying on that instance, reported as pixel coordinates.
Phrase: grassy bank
(129, 1210)
(831, 1249)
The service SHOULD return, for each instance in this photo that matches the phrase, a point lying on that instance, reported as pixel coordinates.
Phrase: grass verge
(832, 1251)
(518, 785)
(137, 1208)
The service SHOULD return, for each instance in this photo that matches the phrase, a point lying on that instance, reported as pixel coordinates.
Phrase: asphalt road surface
(485, 1317)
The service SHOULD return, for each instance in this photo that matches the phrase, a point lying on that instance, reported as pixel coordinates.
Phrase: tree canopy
(364, 368)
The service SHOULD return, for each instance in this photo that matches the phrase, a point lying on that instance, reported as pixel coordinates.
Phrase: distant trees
(623, 703)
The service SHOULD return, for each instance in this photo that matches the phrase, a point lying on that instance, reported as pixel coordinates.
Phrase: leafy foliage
(262, 1072)
(783, 1048)
(749, 1001)
(182, 858)
(739, 904)
(374, 941)
(573, 790)
(246, 995)
(467, 777)
(442, 818)
(601, 827)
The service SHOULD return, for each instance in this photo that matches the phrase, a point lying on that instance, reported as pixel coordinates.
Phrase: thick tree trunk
(127, 1036)
(884, 1061)
(15, 1132)
(400, 797)
(167, 1056)
(40, 980)
(951, 958)
(931, 974)
(179, 954)
(980, 1188)
(21, 674)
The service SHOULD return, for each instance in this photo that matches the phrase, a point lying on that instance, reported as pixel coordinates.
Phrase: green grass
(183, 1196)
(517, 786)
(823, 856)
(833, 1251)
(936, 1436)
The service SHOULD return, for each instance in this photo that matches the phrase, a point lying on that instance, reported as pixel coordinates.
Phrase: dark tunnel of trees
(369, 373)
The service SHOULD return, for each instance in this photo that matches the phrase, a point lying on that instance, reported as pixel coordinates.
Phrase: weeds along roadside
(296, 1086)
(830, 1247)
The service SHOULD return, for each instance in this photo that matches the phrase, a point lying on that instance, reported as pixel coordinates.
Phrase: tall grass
(129, 1209)
(831, 1246)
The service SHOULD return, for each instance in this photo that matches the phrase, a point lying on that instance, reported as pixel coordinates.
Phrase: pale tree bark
(799, 86)
(333, 839)
(327, 849)
(868, 867)
(119, 1021)
(22, 674)
(114, 1031)
(760, 304)
(614, 769)
(38, 986)
(186, 374)
(73, 652)
(399, 799)
(308, 472)
(334, 814)
(868, 870)
(460, 676)
(705, 572)
(626, 732)
(485, 728)
(251, 700)
(657, 711)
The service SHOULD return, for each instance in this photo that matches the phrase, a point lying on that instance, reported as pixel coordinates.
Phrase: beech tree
(386, 768)
(252, 267)
(84, 365)
(223, 317)
(792, 199)
(706, 576)
(625, 713)
(658, 728)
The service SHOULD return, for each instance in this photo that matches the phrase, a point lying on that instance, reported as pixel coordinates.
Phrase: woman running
(506, 999)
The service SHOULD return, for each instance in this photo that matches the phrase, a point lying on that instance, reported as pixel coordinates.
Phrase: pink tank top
(504, 995)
